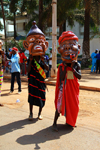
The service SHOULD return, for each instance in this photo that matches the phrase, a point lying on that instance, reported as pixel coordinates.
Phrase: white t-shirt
(50, 61)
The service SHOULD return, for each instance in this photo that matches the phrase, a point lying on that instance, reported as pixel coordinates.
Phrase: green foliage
(14, 43)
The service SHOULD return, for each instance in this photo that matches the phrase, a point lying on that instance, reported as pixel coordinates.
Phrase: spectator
(6, 64)
(23, 58)
(94, 59)
(98, 62)
(15, 70)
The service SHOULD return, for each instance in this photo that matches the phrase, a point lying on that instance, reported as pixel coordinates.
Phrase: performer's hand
(73, 63)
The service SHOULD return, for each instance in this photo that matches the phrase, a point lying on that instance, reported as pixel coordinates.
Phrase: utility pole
(54, 38)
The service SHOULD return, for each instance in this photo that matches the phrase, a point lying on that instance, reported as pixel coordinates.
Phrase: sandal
(40, 117)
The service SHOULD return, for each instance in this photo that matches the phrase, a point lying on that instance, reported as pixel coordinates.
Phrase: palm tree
(86, 38)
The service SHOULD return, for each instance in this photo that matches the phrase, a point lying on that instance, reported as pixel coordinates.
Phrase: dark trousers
(17, 74)
(98, 65)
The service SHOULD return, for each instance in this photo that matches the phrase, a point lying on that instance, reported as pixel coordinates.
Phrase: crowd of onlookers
(23, 61)
(95, 61)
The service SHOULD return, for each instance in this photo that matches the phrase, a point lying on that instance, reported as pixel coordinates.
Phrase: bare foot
(1, 105)
(30, 117)
(54, 128)
(69, 125)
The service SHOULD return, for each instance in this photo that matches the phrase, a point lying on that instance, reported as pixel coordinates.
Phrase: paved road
(17, 133)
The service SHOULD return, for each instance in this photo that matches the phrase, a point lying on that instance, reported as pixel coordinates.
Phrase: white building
(77, 29)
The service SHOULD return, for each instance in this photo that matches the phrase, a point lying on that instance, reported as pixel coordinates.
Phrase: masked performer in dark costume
(67, 86)
(37, 45)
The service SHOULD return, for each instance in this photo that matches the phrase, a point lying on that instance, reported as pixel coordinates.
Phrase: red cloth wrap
(70, 100)
(67, 35)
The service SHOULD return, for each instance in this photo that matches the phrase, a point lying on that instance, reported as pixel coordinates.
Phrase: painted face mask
(69, 47)
(35, 41)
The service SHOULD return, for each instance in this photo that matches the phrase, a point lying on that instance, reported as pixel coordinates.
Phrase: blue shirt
(93, 56)
(98, 56)
(15, 67)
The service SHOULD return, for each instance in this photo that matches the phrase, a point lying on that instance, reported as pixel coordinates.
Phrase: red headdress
(67, 35)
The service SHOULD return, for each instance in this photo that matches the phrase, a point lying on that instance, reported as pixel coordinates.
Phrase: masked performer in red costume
(67, 86)
(37, 45)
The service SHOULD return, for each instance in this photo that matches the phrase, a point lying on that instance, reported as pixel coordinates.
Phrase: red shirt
(22, 57)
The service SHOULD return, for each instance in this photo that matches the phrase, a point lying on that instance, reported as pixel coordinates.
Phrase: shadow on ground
(15, 125)
(44, 135)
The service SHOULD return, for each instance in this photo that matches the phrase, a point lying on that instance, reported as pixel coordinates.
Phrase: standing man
(94, 61)
(67, 86)
(50, 61)
(22, 62)
(15, 70)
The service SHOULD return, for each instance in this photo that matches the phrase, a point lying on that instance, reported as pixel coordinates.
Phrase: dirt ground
(89, 103)
(18, 133)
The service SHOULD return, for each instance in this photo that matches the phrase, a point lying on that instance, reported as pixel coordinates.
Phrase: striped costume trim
(36, 78)
(36, 96)
(36, 87)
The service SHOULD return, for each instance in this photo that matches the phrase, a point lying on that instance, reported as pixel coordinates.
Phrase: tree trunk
(4, 24)
(40, 14)
(15, 34)
(86, 40)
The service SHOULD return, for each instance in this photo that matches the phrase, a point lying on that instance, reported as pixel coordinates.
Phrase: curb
(53, 83)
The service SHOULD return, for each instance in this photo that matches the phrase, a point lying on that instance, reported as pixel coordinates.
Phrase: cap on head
(35, 30)
(15, 49)
(50, 48)
(67, 35)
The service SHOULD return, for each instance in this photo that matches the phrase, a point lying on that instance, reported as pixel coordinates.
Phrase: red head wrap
(67, 35)
(15, 49)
